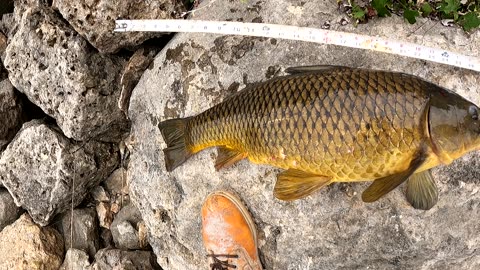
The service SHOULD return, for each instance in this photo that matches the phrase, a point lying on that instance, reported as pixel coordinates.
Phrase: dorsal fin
(317, 68)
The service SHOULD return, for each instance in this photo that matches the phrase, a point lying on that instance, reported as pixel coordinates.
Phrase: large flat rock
(333, 228)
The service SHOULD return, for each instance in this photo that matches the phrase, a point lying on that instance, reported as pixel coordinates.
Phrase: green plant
(465, 13)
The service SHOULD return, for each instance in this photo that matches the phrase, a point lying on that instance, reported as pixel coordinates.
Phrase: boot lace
(219, 264)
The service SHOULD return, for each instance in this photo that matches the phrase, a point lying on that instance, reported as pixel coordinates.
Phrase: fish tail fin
(173, 132)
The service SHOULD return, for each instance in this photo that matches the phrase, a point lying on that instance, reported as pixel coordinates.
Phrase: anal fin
(422, 192)
(226, 157)
(384, 185)
(294, 184)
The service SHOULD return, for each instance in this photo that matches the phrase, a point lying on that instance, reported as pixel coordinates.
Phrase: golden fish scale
(345, 124)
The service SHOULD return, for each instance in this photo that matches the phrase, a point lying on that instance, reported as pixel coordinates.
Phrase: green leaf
(469, 21)
(426, 9)
(358, 13)
(410, 15)
(381, 7)
(449, 7)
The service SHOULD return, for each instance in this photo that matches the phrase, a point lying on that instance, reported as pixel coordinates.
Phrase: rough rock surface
(3, 46)
(59, 72)
(11, 113)
(95, 20)
(133, 71)
(105, 215)
(40, 166)
(125, 228)
(9, 212)
(99, 195)
(333, 228)
(120, 259)
(75, 260)
(25, 245)
(85, 230)
(116, 184)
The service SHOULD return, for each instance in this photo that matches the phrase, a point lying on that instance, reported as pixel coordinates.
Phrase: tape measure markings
(308, 34)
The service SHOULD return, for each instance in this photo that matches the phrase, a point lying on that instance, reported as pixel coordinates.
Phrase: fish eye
(473, 111)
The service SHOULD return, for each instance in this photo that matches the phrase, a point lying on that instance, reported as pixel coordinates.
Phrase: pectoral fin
(422, 192)
(386, 184)
(226, 157)
(317, 68)
(295, 184)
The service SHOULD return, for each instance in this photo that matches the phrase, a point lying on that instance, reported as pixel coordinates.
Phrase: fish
(326, 124)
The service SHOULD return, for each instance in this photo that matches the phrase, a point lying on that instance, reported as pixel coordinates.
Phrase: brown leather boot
(229, 233)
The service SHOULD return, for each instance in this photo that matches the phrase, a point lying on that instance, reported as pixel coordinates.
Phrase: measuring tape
(303, 34)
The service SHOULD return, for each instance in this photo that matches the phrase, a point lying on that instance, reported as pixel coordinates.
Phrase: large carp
(326, 124)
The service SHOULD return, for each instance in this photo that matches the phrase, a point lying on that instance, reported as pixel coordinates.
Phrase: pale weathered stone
(41, 168)
(95, 20)
(125, 236)
(59, 72)
(84, 235)
(105, 215)
(124, 228)
(75, 259)
(332, 229)
(142, 234)
(25, 245)
(106, 259)
(9, 211)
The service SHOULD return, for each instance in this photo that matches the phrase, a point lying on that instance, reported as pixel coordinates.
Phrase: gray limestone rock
(125, 228)
(332, 228)
(99, 195)
(133, 71)
(11, 113)
(85, 230)
(116, 184)
(25, 245)
(95, 20)
(75, 259)
(106, 259)
(125, 236)
(40, 167)
(9, 211)
(59, 72)
(106, 238)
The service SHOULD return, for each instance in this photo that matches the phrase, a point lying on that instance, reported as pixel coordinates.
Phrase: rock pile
(82, 177)
(61, 81)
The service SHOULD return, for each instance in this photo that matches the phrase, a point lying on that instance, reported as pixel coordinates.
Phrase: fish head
(454, 125)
